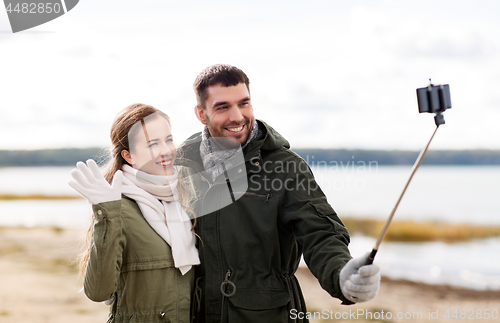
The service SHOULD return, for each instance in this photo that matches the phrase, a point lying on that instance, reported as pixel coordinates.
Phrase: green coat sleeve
(320, 234)
(106, 251)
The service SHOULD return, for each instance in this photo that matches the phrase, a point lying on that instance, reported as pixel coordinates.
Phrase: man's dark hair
(223, 74)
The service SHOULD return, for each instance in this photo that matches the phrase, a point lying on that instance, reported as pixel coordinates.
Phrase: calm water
(453, 194)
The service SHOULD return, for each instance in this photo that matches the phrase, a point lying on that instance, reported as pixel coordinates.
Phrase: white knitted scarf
(214, 158)
(158, 200)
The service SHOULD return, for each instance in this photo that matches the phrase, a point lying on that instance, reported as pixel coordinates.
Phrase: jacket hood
(272, 139)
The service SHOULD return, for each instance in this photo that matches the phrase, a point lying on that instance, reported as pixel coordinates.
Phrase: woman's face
(152, 149)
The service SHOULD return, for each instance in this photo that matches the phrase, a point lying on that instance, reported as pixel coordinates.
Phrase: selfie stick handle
(388, 222)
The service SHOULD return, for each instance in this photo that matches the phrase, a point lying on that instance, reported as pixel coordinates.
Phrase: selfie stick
(432, 99)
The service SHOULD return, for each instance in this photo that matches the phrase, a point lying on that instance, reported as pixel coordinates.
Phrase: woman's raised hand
(91, 184)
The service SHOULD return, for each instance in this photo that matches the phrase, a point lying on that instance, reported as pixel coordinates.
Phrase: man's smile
(236, 130)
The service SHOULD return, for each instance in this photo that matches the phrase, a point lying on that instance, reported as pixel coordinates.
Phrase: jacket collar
(189, 151)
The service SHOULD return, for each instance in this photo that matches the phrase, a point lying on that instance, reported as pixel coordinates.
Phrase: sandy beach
(40, 283)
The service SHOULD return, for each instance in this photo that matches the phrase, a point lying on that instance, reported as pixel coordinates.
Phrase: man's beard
(227, 141)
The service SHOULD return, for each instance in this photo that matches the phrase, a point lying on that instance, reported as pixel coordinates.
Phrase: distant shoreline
(313, 156)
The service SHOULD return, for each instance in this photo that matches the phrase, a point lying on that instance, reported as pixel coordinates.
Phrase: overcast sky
(329, 74)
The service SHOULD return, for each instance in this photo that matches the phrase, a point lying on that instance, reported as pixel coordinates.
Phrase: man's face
(228, 113)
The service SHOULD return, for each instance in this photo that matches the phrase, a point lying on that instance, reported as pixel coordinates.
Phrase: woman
(140, 247)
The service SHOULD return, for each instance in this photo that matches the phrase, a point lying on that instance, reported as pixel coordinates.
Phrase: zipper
(267, 196)
(228, 183)
(224, 284)
(224, 293)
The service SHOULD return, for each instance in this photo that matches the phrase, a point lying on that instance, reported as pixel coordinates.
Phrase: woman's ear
(126, 155)
(200, 114)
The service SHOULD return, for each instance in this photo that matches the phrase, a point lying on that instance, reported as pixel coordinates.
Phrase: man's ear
(126, 155)
(200, 114)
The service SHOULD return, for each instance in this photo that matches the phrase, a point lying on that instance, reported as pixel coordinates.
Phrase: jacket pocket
(259, 306)
(148, 264)
(324, 210)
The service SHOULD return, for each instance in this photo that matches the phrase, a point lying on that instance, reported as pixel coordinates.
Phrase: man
(259, 209)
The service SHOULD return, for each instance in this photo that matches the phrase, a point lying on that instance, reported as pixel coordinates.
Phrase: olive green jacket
(255, 221)
(132, 263)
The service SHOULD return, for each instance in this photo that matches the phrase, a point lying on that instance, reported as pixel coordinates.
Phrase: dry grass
(11, 249)
(421, 231)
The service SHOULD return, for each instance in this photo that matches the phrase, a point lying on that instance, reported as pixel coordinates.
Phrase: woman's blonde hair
(122, 125)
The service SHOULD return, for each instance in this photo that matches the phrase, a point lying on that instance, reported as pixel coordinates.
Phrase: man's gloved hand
(91, 184)
(359, 282)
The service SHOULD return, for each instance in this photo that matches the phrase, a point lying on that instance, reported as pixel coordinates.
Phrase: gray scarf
(215, 158)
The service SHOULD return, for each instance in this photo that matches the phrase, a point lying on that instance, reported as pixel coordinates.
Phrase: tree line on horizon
(69, 157)
(400, 157)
